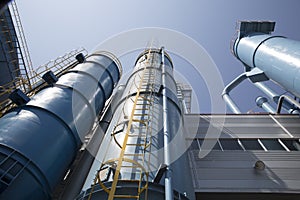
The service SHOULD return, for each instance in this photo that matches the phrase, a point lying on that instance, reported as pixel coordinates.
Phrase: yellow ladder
(138, 123)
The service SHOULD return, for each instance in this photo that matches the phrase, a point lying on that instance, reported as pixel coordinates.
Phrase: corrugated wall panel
(233, 171)
(243, 126)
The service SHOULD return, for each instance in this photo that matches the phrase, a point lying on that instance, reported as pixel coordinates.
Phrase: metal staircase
(58, 66)
(20, 67)
(13, 53)
(26, 60)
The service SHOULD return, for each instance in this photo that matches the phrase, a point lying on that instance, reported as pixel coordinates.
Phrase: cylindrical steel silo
(131, 160)
(39, 140)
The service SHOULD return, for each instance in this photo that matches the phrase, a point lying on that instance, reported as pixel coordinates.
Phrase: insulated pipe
(276, 56)
(262, 102)
(39, 140)
(168, 173)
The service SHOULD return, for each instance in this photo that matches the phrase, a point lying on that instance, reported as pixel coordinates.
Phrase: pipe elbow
(234, 83)
(224, 92)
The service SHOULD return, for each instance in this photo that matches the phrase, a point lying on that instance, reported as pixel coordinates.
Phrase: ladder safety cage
(137, 127)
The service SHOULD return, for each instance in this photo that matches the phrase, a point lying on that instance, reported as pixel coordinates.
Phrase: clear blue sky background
(55, 27)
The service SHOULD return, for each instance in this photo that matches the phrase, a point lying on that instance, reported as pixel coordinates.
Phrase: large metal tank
(39, 140)
(131, 161)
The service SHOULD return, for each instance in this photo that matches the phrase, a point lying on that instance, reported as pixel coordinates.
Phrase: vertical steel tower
(135, 160)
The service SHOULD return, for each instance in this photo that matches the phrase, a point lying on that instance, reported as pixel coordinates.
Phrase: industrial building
(69, 130)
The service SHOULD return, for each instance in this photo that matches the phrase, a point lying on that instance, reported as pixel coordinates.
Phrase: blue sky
(55, 27)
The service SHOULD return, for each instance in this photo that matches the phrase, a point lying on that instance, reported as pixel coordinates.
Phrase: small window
(230, 144)
(215, 142)
(251, 144)
(272, 144)
(292, 145)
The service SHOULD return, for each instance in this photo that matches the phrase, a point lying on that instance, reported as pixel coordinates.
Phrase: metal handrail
(57, 65)
(288, 98)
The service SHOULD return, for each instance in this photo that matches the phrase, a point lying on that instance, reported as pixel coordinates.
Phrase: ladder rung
(133, 166)
(144, 99)
(142, 104)
(148, 87)
(140, 120)
(149, 81)
(126, 196)
(141, 114)
(147, 84)
(144, 96)
(138, 127)
(137, 135)
(133, 154)
(135, 144)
